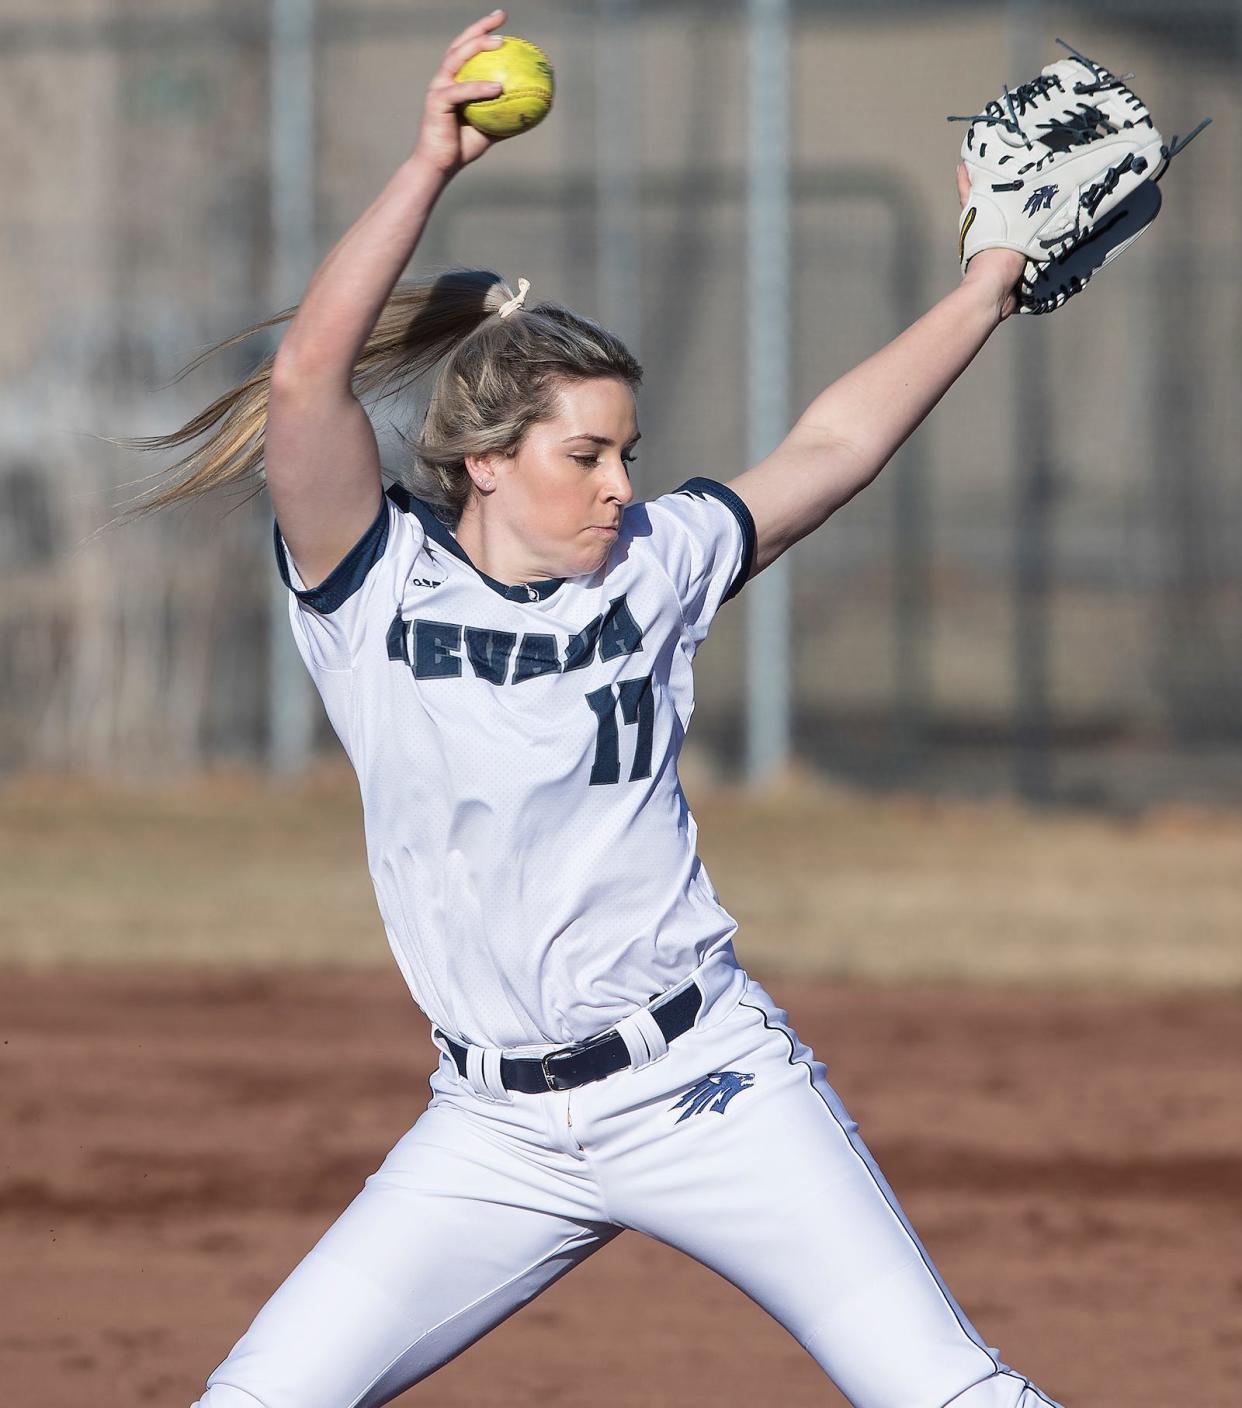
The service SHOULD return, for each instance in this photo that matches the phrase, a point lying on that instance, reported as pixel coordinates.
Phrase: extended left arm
(851, 430)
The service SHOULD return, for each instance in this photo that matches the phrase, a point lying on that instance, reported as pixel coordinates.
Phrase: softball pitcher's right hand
(444, 140)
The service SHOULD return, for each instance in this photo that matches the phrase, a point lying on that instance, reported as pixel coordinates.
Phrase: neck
(494, 550)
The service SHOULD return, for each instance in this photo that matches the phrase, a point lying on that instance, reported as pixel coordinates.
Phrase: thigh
(753, 1166)
(470, 1216)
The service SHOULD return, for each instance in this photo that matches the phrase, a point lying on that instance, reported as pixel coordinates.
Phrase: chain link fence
(1042, 593)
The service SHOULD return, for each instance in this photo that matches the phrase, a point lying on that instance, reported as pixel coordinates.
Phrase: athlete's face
(562, 493)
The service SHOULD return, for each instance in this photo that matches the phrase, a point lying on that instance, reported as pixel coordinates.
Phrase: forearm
(851, 430)
(865, 416)
(349, 289)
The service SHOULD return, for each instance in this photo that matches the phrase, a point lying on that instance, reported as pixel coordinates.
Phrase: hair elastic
(515, 303)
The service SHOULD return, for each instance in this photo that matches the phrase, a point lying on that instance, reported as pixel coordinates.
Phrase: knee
(228, 1396)
(1004, 1389)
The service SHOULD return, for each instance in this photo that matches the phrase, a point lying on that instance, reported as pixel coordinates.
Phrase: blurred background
(1040, 597)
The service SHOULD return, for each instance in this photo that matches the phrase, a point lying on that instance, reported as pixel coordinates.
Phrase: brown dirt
(176, 1138)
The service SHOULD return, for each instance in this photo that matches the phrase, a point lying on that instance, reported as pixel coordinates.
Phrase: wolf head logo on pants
(713, 1092)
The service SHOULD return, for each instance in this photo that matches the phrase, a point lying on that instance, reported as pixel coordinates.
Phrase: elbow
(296, 375)
(287, 376)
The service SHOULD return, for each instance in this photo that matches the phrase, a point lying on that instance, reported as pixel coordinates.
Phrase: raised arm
(321, 457)
(852, 429)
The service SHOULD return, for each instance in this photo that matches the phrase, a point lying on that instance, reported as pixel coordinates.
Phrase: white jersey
(516, 748)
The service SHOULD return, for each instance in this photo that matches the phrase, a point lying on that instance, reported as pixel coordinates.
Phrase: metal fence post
(1033, 494)
(767, 334)
(290, 707)
(616, 167)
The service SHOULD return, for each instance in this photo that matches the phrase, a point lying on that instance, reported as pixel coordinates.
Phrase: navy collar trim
(438, 531)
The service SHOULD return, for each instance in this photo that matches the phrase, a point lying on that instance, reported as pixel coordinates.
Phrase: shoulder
(700, 523)
(421, 517)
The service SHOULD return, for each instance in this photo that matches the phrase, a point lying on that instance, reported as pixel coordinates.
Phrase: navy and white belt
(591, 1060)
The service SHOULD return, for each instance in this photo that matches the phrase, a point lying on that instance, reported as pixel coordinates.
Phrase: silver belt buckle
(553, 1080)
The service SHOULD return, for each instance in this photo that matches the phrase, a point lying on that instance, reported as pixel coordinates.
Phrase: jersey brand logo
(713, 1092)
(424, 582)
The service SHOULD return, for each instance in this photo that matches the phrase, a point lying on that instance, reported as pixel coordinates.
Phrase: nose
(617, 486)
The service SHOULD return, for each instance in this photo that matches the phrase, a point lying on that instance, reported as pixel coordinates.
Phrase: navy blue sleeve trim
(745, 522)
(348, 574)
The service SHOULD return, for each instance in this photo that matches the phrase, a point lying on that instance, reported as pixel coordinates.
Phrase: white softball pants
(487, 1201)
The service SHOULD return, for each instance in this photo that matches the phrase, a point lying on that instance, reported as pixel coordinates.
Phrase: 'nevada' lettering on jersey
(433, 648)
(516, 748)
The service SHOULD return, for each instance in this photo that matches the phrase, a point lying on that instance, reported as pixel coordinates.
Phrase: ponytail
(419, 325)
(500, 377)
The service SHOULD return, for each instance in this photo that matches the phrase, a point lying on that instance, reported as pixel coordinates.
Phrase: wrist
(991, 277)
(426, 172)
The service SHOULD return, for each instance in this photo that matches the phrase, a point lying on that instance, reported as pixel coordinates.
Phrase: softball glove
(1064, 170)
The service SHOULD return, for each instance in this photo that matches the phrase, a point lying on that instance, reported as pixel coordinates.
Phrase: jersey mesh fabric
(533, 855)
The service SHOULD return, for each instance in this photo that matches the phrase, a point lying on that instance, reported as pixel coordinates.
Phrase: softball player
(505, 650)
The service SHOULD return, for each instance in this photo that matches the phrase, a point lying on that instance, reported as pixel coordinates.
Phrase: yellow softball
(524, 71)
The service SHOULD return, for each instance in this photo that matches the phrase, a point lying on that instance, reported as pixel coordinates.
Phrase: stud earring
(486, 484)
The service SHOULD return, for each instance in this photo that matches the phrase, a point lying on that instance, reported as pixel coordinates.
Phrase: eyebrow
(601, 439)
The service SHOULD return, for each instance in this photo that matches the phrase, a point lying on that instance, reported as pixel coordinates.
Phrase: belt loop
(483, 1073)
(720, 979)
(643, 1038)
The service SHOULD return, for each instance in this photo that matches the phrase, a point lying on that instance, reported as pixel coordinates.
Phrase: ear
(482, 470)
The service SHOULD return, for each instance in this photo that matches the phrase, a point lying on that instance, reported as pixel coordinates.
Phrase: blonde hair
(500, 376)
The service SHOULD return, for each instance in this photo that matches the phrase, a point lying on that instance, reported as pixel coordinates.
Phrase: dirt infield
(176, 1138)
